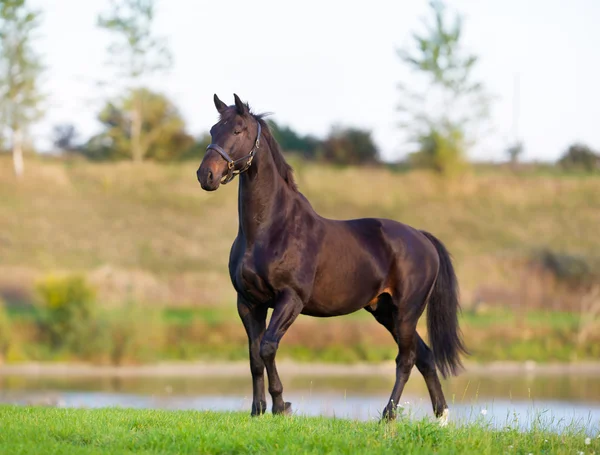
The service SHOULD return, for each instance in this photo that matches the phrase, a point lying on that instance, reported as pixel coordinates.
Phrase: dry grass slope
(149, 232)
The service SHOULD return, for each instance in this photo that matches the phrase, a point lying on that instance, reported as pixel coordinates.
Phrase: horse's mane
(284, 169)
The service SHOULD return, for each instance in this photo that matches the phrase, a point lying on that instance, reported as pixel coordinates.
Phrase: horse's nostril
(209, 176)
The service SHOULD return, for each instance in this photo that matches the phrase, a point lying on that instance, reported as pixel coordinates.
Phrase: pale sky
(318, 63)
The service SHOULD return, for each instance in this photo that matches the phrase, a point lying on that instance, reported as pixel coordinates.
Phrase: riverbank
(106, 431)
(288, 368)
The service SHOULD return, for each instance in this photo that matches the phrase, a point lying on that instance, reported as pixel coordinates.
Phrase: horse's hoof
(443, 419)
(388, 416)
(259, 410)
(287, 409)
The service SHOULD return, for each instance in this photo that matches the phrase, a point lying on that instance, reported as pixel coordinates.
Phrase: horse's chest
(267, 267)
(252, 279)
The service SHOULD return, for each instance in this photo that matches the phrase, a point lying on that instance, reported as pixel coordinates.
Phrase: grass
(106, 431)
(217, 334)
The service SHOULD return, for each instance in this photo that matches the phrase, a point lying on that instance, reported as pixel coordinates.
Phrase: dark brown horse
(288, 258)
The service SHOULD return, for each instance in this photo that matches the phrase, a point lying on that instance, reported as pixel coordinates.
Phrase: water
(554, 400)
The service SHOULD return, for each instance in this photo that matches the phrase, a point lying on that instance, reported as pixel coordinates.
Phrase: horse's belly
(340, 300)
(325, 310)
(342, 290)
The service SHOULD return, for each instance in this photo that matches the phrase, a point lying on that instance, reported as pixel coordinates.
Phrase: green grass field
(118, 431)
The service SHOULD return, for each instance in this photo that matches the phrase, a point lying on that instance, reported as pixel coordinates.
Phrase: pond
(522, 399)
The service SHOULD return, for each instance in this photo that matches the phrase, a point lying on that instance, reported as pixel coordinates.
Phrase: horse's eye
(236, 132)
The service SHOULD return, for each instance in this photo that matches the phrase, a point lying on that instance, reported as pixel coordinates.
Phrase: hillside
(150, 233)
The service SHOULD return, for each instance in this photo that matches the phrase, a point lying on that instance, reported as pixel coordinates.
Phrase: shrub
(556, 280)
(348, 146)
(68, 312)
(570, 270)
(580, 157)
(440, 149)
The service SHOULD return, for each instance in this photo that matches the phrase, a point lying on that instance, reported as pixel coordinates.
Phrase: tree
(65, 137)
(198, 148)
(20, 69)
(291, 141)
(441, 116)
(348, 146)
(162, 129)
(581, 157)
(136, 52)
(515, 151)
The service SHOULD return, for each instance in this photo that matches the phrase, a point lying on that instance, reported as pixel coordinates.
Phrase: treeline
(167, 139)
(164, 136)
(441, 119)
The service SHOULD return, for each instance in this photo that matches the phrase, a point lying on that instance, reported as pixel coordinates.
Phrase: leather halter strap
(231, 164)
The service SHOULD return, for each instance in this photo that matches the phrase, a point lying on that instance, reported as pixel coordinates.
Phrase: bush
(580, 157)
(68, 312)
(348, 146)
(440, 149)
(570, 270)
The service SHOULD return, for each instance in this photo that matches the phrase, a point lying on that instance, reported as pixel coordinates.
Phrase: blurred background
(476, 121)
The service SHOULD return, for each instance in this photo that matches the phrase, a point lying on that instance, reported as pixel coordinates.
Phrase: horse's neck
(262, 193)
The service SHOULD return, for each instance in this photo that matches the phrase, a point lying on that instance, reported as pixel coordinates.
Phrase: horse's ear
(220, 105)
(241, 107)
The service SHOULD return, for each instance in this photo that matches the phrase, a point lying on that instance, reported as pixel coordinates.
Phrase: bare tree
(20, 69)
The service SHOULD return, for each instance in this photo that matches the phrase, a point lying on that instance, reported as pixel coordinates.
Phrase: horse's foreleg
(286, 309)
(254, 320)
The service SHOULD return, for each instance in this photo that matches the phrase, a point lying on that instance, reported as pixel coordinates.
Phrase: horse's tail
(442, 315)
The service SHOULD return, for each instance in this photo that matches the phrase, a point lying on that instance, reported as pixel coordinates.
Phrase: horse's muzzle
(208, 181)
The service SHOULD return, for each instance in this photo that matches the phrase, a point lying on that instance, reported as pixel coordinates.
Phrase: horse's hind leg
(410, 304)
(405, 334)
(405, 360)
(426, 365)
(386, 314)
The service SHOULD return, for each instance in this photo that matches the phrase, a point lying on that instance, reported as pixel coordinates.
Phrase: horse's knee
(257, 368)
(268, 349)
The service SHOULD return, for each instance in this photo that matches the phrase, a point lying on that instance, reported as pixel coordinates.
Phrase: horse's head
(235, 139)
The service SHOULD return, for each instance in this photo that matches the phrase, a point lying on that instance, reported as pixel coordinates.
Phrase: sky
(317, 63)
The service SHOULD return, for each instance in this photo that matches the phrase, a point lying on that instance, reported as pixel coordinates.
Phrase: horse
(289, 259)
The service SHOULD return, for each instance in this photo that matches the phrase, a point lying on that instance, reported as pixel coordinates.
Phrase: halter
(231, 171)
